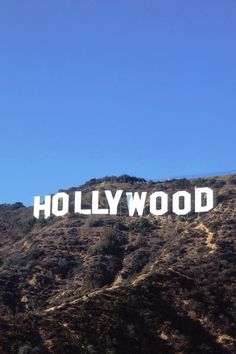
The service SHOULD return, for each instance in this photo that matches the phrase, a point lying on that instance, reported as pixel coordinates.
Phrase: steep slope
(119, 284)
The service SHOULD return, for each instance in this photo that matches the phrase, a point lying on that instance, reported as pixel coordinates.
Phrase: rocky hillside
(120, 284)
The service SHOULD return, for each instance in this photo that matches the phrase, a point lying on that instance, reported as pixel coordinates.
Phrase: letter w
(135, 202)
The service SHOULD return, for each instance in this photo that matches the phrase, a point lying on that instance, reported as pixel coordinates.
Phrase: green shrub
(109, 243)
(142, 226)
(96, 223)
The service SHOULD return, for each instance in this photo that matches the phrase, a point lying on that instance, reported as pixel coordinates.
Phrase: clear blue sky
(95, 88)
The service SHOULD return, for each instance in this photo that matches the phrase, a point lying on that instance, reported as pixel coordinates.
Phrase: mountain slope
(120, 284)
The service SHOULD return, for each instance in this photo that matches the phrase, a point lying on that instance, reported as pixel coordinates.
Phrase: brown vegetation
(117, 285)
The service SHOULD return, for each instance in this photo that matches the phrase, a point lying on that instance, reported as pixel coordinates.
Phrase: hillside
(120, 284)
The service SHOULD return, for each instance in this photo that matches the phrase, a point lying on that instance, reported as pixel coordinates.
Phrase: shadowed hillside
(120, 284)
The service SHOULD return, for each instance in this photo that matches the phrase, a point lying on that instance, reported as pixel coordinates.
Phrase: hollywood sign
(58, 205)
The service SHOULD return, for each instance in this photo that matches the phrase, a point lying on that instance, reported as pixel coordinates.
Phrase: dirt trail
(210, 236)
(138, 279)
(209, 242)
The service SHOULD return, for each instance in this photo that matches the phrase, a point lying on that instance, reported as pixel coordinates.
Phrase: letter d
(209, 204)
